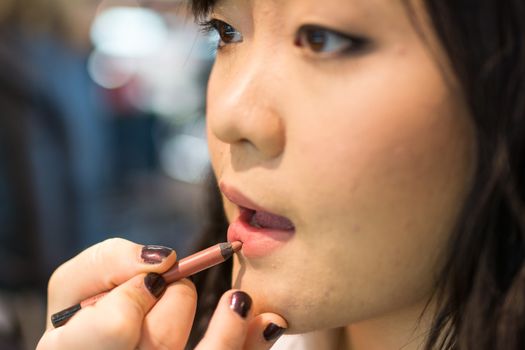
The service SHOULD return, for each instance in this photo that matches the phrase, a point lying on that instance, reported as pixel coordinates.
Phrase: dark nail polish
(241, 303)
(155, 284)
(155, 254)
(272, 332)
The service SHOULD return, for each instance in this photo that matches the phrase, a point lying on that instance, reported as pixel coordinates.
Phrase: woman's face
(341, 118)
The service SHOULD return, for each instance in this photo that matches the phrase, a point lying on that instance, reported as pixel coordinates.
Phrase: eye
(225, 32)
(327, 42)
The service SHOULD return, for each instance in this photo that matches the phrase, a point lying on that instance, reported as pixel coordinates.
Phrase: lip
(257, 241)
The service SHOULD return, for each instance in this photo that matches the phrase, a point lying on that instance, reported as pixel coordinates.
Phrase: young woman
(370, 156)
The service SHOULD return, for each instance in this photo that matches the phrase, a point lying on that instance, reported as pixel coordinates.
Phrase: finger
(101, 268)
(229, 324)
(168, 324)
(264, 330)
(115, 322)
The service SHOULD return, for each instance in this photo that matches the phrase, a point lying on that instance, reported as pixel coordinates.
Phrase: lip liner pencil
(185, 267)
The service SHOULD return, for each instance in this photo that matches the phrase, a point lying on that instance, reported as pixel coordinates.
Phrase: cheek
(218, 151)
(394, 179)
(220, 160)
(388, 143)
(378, 190)
(214, 148)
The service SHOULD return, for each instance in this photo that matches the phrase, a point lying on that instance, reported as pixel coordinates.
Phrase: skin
(370, 154)
(129, 317)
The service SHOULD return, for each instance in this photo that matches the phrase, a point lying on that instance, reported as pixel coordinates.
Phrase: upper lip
(236, 197)
(247, 207)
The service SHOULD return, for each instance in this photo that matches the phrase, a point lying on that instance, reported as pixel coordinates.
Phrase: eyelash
(221, 29)
(346, 44)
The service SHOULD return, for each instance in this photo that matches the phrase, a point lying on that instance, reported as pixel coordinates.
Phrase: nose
(243, 108)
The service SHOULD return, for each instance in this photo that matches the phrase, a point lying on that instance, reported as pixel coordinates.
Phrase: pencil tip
(227, 249)
(236, 246)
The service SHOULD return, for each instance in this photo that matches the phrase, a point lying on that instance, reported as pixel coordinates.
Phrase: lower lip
(257, 242)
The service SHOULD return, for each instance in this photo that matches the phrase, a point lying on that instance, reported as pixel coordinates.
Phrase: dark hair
(481, 289)
(482, 286)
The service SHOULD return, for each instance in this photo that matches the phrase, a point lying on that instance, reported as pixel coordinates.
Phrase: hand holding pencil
(184, 268)
(142, 309)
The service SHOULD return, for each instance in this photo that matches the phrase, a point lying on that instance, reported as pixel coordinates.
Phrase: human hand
(131, 316)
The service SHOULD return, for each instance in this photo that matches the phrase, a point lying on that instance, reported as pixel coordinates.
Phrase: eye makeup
(328, 42)
(315, 39)
(226, 33)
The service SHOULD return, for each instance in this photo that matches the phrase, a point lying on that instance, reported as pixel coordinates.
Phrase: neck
(402, 329)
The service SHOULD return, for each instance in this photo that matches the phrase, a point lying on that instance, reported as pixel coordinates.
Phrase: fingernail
(241, 303)
(272, 332)
(155, 284)
(155, 254)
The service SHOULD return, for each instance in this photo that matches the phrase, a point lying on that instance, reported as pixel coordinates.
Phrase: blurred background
(101, 135)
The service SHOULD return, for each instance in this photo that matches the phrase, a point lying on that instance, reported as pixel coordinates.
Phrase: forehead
(377, 11)
(361, 6)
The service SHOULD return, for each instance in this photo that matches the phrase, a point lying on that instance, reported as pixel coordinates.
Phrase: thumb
(229, 325)
(115, 322)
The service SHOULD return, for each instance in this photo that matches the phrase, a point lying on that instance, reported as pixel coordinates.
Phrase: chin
(304, 313)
